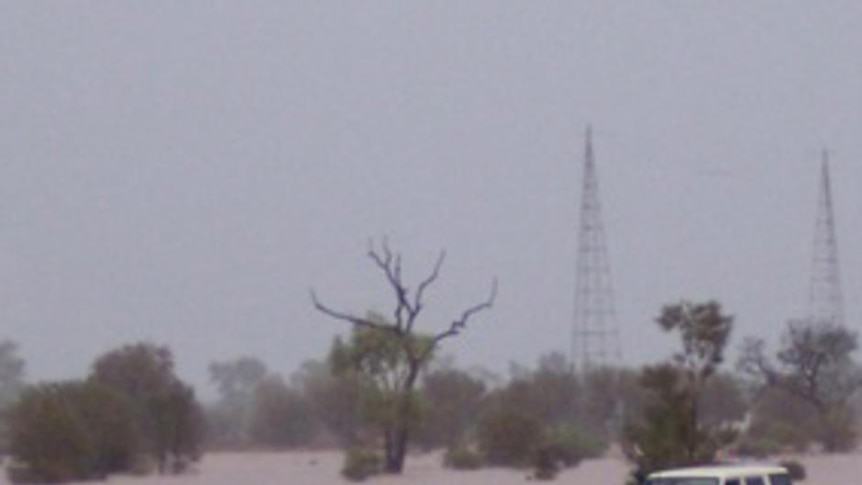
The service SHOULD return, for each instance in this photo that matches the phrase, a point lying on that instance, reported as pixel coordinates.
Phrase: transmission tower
(595, 338)
(825, 301)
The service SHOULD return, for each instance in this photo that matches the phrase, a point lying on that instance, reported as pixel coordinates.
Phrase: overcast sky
(184, 172)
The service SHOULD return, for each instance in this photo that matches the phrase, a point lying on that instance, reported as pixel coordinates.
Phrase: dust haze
(184, 173)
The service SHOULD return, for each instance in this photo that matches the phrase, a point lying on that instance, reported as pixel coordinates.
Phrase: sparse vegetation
(361, 463)
(463, 458)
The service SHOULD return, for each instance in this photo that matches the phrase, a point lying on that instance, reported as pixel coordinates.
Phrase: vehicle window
(754, 481)
(732, 481)
(779, 479)
(682, 481)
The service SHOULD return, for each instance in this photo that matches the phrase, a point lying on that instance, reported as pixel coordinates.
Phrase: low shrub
(563, 447)
(509, 438)
(571, 446)
(463, 458)
(546, 462)
(361, 463)
(795, 469)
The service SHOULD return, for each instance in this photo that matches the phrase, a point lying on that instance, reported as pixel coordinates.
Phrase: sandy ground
(322, 468)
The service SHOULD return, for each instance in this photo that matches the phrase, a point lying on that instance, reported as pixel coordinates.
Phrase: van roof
(720, 471)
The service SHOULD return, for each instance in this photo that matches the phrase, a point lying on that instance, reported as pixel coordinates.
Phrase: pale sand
(322, 468)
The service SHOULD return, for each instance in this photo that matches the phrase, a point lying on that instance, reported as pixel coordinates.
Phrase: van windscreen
(779, 479)
(682, 481)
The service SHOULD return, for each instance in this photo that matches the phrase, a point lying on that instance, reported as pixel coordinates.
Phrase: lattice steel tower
(595, 337)
(825, 301)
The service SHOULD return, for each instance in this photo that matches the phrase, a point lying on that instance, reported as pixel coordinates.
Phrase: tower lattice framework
(825, 301)
(595, 336)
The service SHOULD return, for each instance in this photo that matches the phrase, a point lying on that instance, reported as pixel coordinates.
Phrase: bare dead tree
(408, 308)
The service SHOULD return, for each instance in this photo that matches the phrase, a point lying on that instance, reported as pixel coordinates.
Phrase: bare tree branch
(356, 321)
(457, 325)
(420, 291)
(391, 267)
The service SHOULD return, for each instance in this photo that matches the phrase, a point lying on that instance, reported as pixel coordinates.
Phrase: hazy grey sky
(183, 172)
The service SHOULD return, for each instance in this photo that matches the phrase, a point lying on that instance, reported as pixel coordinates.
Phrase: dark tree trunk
(395, 440)
(389, 458)
(395, 459)
(399, 436)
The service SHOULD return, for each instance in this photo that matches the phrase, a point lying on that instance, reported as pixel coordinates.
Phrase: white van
(722, 475)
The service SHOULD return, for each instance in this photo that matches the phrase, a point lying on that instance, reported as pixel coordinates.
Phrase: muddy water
(322, 468)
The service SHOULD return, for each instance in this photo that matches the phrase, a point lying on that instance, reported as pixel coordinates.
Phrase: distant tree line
(133, 414)
(693, 408)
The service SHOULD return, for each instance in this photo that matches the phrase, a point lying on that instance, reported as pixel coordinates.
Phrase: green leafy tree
(376, 360)
(672, 430)
(815, 364)
(414, 352)
(72, 431)
(179, 422)
(167, 413)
